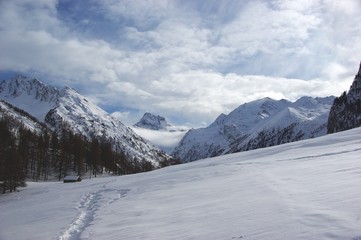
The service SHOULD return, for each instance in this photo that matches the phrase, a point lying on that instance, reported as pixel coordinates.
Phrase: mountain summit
(346, 109)
(153, 122)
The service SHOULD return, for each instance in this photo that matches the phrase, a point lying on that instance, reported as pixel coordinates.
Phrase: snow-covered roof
(71, 178)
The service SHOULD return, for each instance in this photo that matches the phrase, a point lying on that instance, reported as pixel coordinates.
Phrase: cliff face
(345, 112)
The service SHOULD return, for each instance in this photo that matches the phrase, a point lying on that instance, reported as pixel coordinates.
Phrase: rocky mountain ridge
(152, 122)
(345, 113)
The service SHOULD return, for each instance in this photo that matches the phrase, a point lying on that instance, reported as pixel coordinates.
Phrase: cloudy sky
(187, 60)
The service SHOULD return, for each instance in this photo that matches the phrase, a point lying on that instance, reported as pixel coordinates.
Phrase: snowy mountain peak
(310, 102)
(249, 114)
(260, 123)
(29, 94)
(21, 85)
(153, 122)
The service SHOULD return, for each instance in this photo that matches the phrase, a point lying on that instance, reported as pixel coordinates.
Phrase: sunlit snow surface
(304, 190)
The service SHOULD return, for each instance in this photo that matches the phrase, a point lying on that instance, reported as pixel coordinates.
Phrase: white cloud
(163, 139)
(188, 60)
(122, 115)
(141, 12)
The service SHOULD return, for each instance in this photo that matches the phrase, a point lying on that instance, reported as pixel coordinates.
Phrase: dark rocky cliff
(346, 110)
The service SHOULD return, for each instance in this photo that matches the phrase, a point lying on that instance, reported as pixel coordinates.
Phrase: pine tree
(94, 156)
(79, 151)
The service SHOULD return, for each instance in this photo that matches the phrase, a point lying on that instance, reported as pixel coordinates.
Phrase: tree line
(45, 155)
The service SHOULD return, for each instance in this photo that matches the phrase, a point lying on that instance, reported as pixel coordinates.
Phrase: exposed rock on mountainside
(346, 110)
(157, 123)
(153, 122)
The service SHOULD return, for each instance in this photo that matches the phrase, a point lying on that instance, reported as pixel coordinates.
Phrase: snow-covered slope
(59, 107)
(261, 123)
(303, 190)
(20, 117)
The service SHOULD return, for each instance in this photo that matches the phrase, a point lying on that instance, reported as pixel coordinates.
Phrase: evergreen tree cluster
(46, 155)
(11, 163)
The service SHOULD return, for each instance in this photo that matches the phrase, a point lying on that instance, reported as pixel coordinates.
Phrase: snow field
(303, 190)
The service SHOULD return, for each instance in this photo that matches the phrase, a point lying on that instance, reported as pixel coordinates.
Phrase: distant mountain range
(261, 123)
(58, 107)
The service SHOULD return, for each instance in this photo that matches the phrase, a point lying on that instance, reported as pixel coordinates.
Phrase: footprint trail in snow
(87, 207)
